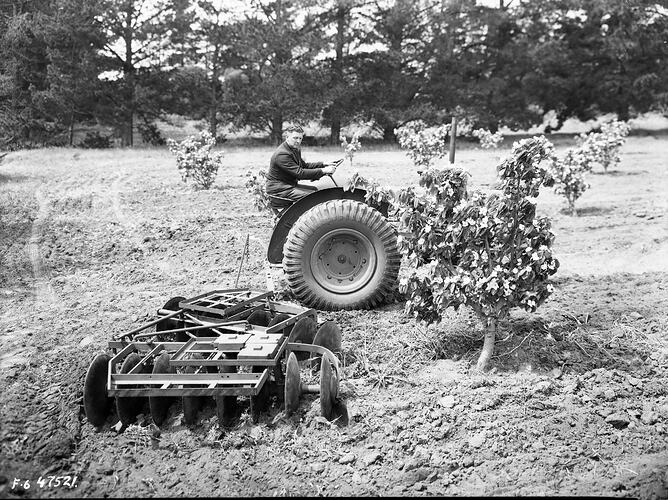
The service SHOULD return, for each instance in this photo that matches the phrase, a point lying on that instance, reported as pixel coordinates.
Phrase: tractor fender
(294, 212)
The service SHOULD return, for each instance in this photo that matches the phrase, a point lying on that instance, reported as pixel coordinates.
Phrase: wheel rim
(343, 261)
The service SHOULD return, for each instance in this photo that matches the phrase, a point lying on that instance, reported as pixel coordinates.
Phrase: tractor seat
(278, 204)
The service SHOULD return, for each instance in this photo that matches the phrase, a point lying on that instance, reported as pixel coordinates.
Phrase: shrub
(605, 145)
(94, 140)
(195, 160)
(487, 139)
(423, 144)
(350, 148)
(569, 174)
(255, 185)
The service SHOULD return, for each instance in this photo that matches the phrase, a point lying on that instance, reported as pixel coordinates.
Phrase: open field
(92, 242)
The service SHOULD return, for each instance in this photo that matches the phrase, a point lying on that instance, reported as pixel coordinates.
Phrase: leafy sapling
(255, 185)
(350, 148)
(569, 175)
(487, 139)
(195, 160)
(488, 252)
(605, 146)
(423, 144)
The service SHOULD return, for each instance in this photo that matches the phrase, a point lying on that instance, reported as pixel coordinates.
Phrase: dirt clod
(618, 420)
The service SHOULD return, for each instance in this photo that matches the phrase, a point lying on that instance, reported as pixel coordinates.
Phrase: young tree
(488, 252)
(569, 174)
(603, 147)
(423, 144)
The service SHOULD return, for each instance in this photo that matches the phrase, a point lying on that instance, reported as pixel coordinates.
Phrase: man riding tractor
(287, 168)
(338, 252)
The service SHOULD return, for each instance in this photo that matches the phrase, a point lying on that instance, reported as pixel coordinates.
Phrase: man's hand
(329, 169)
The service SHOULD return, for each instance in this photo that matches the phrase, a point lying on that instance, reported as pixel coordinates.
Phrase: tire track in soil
(40, 420)
(115, 196)
(44, 293)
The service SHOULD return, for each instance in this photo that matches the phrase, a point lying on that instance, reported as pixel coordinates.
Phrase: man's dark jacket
(287, 167)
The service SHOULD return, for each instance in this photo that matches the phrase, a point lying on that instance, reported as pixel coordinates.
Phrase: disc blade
(304, 332)
(340, 413)
(259, 318)
(172, 323)
(159, 405)
(192, 404)
(259, 403)
(279, 318)
(329, 336)
(226, 406)
(327, 398)
(129, 407)
(97, 404)
(292, 384)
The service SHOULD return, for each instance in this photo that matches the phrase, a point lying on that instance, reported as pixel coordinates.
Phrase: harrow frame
(224, 350)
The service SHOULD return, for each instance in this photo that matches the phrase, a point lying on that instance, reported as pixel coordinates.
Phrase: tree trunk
(70, 138)
(335, 130)
(215, 73)
(491, 327)
(388, 134)
(277, 127)
(126, 137)
(128, 71)
(571, 208)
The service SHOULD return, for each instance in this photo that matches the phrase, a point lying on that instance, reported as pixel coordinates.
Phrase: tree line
(260, 64)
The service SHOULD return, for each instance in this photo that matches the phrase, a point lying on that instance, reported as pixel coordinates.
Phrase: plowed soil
(575, 403)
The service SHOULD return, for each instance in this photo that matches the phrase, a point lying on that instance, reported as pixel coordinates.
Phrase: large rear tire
(341, 254)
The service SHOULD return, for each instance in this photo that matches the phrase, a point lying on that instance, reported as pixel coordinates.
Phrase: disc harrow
(223, 344)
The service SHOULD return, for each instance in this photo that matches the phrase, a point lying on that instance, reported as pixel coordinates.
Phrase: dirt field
(93, 242)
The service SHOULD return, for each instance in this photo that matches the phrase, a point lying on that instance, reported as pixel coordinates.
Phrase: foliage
(277, 78)
(195, 160)
(256, 186)
(350, 148)
(134, 32)
(569, 174)
(150, 134)
(605, 145)
(488, 252)
(488, 139)
(67, 62)
(385, 85)
(94, 140)
(376, 194)
(424, 144)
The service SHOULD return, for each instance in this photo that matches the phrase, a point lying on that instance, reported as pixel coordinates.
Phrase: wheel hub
(343, 261)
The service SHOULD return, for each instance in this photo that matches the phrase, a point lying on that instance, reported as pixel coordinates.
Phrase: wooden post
(453, 134)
